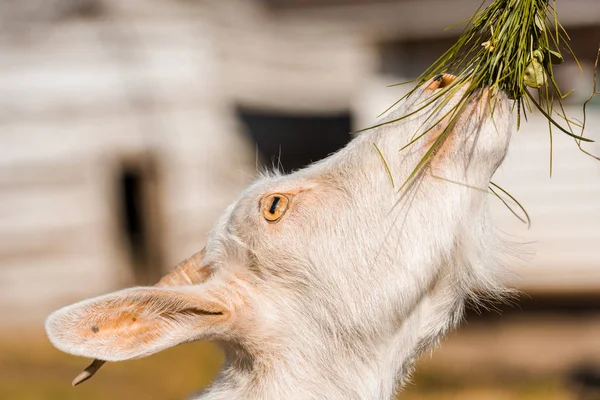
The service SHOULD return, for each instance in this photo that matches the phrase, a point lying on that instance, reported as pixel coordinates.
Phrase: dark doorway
(291, 141)
(140, 219)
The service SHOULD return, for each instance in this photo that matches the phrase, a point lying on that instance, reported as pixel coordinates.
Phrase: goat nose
(440, 81)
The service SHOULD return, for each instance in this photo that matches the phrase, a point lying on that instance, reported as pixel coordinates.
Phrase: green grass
(512, 46)
(509, 46)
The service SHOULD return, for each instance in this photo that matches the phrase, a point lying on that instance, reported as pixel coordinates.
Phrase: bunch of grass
(511, 45)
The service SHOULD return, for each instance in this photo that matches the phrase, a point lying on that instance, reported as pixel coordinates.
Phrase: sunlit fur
(339, 297)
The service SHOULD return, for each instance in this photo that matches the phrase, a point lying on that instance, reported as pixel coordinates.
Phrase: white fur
(338, 298)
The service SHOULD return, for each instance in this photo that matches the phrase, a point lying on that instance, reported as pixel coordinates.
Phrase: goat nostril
(446, 80)
(274, 206)
(440, 81)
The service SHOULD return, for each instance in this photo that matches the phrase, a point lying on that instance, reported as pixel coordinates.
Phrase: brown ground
(518, 357)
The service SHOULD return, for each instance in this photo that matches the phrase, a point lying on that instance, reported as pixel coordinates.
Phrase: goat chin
(328, 282)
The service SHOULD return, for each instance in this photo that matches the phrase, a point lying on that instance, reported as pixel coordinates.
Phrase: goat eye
(274, 206)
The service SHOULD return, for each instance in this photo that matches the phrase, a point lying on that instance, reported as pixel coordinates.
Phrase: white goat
(327, 283)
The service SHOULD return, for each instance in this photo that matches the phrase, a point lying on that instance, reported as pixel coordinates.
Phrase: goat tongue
(188, 272)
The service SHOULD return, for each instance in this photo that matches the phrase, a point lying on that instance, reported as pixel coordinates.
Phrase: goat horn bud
(188, 272)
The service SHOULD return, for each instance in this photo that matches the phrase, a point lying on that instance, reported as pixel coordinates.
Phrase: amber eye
(274, 206)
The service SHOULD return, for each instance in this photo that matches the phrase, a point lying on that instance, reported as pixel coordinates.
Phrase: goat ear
(137, 322)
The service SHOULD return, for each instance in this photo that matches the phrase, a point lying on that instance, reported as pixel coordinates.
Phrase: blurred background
(126, 127)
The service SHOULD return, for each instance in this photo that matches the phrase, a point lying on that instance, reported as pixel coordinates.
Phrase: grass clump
(509, 46)
(512, 45)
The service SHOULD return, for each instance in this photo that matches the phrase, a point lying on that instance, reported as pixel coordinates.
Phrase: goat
(328, 283)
